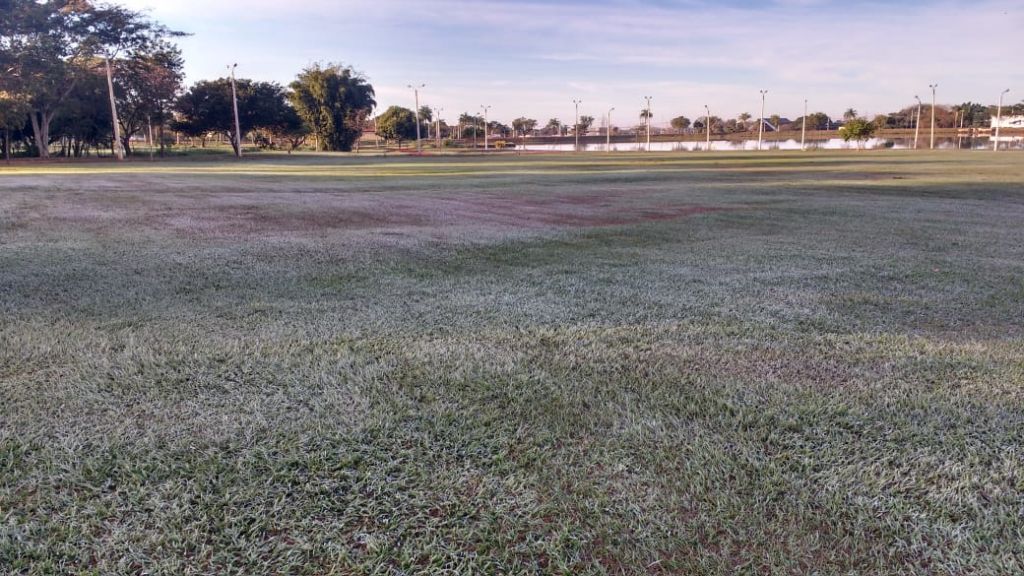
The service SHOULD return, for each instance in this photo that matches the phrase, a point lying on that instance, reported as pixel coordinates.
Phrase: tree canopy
(334, 101)
(207, 107)
(397, 124)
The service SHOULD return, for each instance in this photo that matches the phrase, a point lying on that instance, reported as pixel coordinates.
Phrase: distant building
(1009, 122)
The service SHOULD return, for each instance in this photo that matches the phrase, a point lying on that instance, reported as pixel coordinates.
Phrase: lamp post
(416, 92)
(608, 131)
(917, 123)
(437, 129)
(999, 119)
(933, 87)
(234, 105)
(760, 124)
(576, 126)
(803, 131)
(7, 129)
(118, 148)
(485, 109)
(707, 121)
(648, 109)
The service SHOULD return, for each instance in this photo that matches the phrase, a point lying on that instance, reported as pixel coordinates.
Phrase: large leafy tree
(334, 101)
(51, 46)
(206, 108)
(524, 125)
(146, 85)
(397, 124)
(857, 129)
(585, 123)
(680, 123)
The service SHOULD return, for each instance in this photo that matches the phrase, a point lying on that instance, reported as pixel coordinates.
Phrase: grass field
(628, 364)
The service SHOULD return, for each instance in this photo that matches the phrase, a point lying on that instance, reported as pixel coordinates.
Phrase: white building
(1009, 122)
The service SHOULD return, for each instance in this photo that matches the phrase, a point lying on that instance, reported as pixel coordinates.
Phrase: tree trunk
(41, 133)
(7, 145)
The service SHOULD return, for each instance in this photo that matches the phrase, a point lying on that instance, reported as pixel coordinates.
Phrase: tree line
(73, 73)
(69, 68)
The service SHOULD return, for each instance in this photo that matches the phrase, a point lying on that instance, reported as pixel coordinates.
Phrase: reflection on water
(1005, 143)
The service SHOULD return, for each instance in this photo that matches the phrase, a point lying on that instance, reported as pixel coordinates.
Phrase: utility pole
(707, 120)
(118, 149)
(576, 127)
(7, 129)
(238, 125)
(933, 87)
(760, 124)
(648, 110)
(416, 91)
(486, 108)
(917, 124)
(999, 119)
(608, 131)
(803, 131)
(437, 130)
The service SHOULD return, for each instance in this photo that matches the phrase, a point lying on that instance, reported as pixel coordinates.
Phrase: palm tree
(554, 125)
(850, 114)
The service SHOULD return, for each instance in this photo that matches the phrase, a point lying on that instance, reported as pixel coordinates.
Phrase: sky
(533, 58)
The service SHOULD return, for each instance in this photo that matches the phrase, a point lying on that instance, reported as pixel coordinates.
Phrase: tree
(524, 125)
(145, 86)
(84, 120)
(850, 114)
(207, 107)
(553, 127)
(13, 117)
(585, 123)
(334, 101)
(815, 121)
(292, 129)
(397, 124)
(680, 123)
(857, 129)
(54, 44)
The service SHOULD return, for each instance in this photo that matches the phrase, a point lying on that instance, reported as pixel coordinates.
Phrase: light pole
(648, 109)
(999, 119)
(118, 148)
(760, 124)
(437, 129)
(933, 87)
(917, 123)
(234, 105)
(608, 131)
(803, 131)
(576, 126)
(707, 120)
(416, 92)
(7, 129)
(485, 109)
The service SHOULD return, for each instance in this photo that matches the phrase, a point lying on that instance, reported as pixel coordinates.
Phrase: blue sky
(534, 57)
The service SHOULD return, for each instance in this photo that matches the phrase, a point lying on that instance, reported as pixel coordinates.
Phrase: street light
(999, 119)
(7, 129)
(576, 127)
(485, 109)
(933, 87)
(707, 120)
(917, 123)
(416, 91)
(437, 130)
(608, 131)
(803, 131)
(760, 124)
(234, 105)
(648, 98)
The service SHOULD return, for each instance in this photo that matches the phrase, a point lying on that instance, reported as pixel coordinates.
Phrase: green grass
(597, 364)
